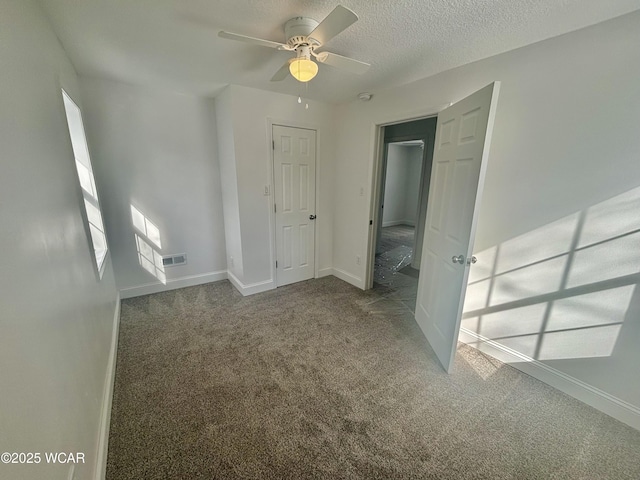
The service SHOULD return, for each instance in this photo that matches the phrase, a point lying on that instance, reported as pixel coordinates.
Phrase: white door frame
(375, 174)
(272, 215)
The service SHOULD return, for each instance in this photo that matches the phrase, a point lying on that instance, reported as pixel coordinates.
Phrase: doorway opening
(402, 192)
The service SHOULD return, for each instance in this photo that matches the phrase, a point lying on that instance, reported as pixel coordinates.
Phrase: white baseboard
(260, 287)
(324, 272)
(107, 398)
(598, 399)
(348, 277)
(252, 288)
(172, 284)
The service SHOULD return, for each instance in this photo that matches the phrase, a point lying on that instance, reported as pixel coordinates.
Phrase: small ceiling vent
(174, 260)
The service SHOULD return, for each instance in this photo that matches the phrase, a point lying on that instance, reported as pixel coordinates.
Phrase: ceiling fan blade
(346, 63)
(334, 23)
(252, 40)
(283, 72)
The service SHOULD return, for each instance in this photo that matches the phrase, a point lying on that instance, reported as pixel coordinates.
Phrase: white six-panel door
(294, 172)
(463, 134)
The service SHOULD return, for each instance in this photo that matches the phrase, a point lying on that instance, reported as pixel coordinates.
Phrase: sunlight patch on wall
(524, 282)
(148, 257)
(586, 325)
(516, 328)
(145, 226)
(563, 290)
(622, 256)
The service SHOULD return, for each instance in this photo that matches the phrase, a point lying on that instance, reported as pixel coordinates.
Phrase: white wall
(395, 182)
(56, 316)
(402, 185)
(414, 173)
(565, 141)
(252, 110)
(229, 179)
(157, 150)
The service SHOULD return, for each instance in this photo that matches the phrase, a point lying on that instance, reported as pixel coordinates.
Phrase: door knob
(471, 259)
(312, 217)
(459, 259)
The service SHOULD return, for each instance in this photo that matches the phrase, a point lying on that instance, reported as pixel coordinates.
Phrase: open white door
(463, 135)
(294, 172)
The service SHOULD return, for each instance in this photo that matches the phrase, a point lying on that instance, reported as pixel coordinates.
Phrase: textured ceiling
(174, 43)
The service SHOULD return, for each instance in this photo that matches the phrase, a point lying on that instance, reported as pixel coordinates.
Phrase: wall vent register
(174, 260)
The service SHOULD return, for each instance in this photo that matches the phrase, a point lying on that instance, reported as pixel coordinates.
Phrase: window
(87, 182)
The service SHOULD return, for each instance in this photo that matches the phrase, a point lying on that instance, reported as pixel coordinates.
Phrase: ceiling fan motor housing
(297, 29)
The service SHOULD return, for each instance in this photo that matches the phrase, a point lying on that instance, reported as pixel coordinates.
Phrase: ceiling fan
(305, 36)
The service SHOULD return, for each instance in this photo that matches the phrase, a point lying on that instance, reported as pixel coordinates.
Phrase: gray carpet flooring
(322, 380)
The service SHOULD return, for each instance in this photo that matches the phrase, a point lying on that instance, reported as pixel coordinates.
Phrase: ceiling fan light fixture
(303, 36)
(303, 69)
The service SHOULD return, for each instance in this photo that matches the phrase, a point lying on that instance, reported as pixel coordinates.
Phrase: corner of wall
(252, 288)
(348, 277)
(229, 180)
(107, 397)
